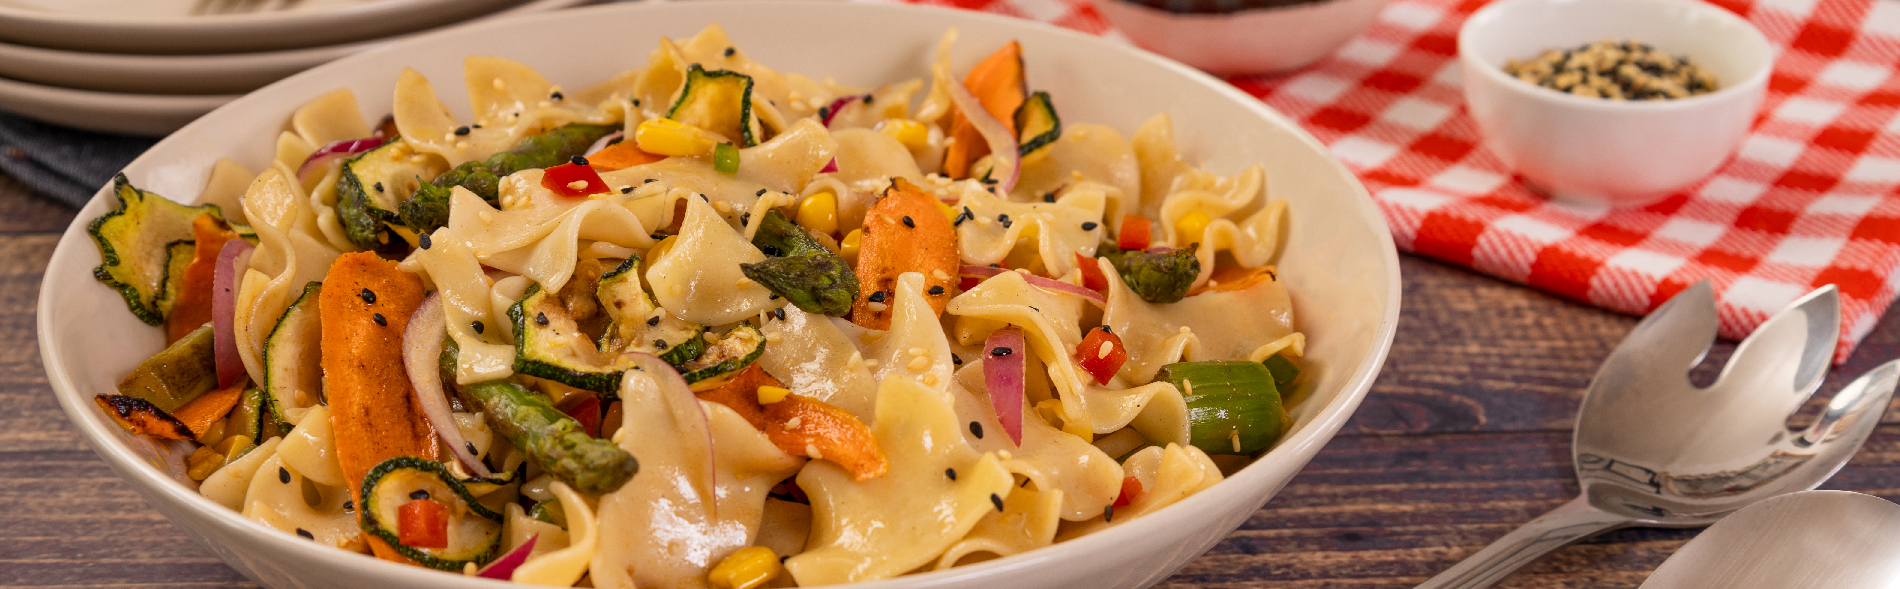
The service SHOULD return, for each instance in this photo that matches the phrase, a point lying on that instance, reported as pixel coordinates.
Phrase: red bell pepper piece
(561, 179)
(1131, 490)
(423, 523)
(588, 413)
(1092, 277)
(1137, 233)
(1101, 353)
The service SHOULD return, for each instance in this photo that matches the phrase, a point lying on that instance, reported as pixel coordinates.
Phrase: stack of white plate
(147, 67)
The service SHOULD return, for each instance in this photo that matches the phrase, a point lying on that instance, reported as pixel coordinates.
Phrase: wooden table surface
(1465, 436)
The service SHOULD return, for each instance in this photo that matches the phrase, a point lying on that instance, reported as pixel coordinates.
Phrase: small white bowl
(1621, 153)
(1256, 41)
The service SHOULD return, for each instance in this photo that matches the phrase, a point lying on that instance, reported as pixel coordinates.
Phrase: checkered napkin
(1812, 197)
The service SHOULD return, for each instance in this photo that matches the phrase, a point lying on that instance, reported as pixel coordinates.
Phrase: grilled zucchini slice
(293, 373)
(474, 529)
(734, 351)
(638, 324)
(719, 101)
(549, 344)
(1037, 125)
(375, 182)
(137, 241)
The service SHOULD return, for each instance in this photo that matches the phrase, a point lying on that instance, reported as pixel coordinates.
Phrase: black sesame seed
(463, 130)
(730, 51)
(773, 296)
(1048, 197)
(578, 160)
(306, 534)
(770, 250)
(636, 102)
(626, 190)
(876, 297)
(1107, 329)
(760, 193)
(779, 313)
(650, 180)
(824, 112)
(470, 446)
(379, 319)
(996, 500)
(1108, 513)
(1001, 351)
(1025, 484)
(1004, 219)
(653, 321)
(976, 429)
(541, 319)
(476, 126)
(283, 475)
(368, 296)
(909, 223)
(423, 238)
(868, 98)
(705, 198)
(1089, 225)
(378, 186)
(419, 494)
(349, 505)
(659, 344)
(958, 360)
(936, 290)
(950, 472)
(745, 219)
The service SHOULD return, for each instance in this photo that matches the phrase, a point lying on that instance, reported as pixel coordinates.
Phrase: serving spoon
(1654, 450)
(1806, 540)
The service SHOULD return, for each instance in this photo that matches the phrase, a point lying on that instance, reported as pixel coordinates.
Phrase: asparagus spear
(1233, 407)
(800, 269)
(555, 441)
(428, 209)
(1158, 277)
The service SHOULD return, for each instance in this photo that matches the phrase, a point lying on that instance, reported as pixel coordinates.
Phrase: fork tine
(1671, 340)
(1859, 406)
(1792, 349)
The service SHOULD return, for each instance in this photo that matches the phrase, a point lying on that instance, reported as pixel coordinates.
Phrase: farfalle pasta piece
(1049, 458)
(698, 278)
(1059, 230)
(1086, 152)
(815, 358)
(564, 566)
(890, 525)
(509, 99)
(915, 347)
(276, 497)
(465, 290)
(1028, 521)
(1167, 474)
(1214, 325)
(287, 257)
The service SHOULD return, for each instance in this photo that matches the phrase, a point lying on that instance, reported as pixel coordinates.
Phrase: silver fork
(1654, 450)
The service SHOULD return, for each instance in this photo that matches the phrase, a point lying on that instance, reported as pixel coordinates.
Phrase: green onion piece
(1283, 369)
(726, 158)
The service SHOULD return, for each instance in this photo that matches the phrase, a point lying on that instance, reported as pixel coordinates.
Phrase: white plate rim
(235, 32)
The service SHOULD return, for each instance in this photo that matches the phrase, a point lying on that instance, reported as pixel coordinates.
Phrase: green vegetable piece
(549, 344)
(733, 352)
(372, 184)
(1037, 123)
(1157, 277)
(1283, 369)
(637, 324)
(248, 416)
(178, 255)
(176, 375)
(136, 246)
(428, 208)
(719, 101)
(549, 437)
(1233, 407)
(726, 159)
(474, 529)
(550, 512)
(803, 272)
(293, 373)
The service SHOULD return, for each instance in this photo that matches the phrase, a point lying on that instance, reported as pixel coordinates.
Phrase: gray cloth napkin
(62, 164)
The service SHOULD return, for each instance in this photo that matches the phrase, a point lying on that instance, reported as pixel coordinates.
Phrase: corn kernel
(203, 462)
(908, 132)
(819, 212)
(673, 138)
(1189, 228)
(748, 568)
(770, 394)
(659, 250)
(949, 212)
(848, 248)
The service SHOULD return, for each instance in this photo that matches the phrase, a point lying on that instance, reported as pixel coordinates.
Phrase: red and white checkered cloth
(1811, 198)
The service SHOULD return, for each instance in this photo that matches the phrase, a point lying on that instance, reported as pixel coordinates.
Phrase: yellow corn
(1189, 228)
(770, 394)
(848, 248)
(673, 138)
(748, 568)
(203, 462)
(949, 212)
(659, 249)
(819, 212)
(908, 132)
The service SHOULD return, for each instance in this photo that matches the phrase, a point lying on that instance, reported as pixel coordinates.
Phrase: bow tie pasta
(708, 324)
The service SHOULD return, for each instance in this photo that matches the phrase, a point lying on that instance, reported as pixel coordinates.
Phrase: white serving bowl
(1256, 41)
(1339, 261)
(1621, 153)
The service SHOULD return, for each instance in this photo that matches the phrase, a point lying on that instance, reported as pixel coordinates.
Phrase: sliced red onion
(339, 148)
(1038, 282)
(1003, 367)
(830, 166)
(234, 257)
(421, 350)
(831, 112)
(1002, 142)
(504, 568)
(603, 142)
(688, 415)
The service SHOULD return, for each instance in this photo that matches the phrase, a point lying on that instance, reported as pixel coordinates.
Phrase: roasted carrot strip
(622, 155)
(193, 307)
(802, 426)
(903, 232)
(1232, 278)
(998, 83)
(365, 305)
(200, 413)
(141, 417)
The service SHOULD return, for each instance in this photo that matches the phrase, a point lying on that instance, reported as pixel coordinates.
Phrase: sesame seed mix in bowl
(1617, 70)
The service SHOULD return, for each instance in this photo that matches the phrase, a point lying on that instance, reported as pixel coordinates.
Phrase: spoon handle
(1568, 523)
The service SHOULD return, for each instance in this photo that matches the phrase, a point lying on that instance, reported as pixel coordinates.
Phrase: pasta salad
(706, 324)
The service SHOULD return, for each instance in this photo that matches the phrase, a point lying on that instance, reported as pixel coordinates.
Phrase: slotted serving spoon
(1654, 450)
